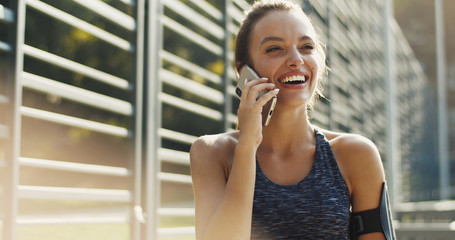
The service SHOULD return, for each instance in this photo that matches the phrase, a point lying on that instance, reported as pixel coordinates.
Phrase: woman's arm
(224, 202)
(223, 207)
(365, 172)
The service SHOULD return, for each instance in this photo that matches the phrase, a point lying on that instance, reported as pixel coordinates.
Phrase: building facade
(101, 100)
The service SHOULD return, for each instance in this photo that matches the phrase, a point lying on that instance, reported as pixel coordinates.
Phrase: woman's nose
(295, 58)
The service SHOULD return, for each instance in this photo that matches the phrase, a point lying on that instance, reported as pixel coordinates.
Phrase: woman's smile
(293, 80)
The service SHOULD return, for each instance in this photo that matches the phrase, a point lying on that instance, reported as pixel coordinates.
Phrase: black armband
(374, 220)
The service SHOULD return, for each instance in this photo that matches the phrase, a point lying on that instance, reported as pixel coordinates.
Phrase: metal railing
(426, 220)
(22, 163)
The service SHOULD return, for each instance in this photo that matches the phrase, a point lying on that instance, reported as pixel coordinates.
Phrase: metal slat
(76, 94)
(74, 167)
(75, 122)
(4, 99)
(186, 212)
(110, 13)
(242, 4)
(232, 118)
(189, 66)
(80, 24)
(176, 232)
(191, 107)
(74, 194)
(6, 14)
(191, 35)
(5, 47)
(4, 131)
(196, 18)
(174, 156)
(76, 67)
(320, 7)
(430, 206)
(445, 229)
(209, 9)
(176, 136)
(129, 2)
(236, 14)
(231, 90)
(189, 85)
(231, 72)
(340, 11)
(233, 28)
(175, 178)
(65, 220)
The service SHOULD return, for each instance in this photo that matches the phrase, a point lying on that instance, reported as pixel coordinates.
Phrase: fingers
(250, 108)
(266, 97)
(254, 88)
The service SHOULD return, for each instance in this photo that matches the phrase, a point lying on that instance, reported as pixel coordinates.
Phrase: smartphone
(249, 74)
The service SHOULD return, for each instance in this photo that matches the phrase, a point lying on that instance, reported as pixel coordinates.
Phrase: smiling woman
(309, 43)
(289, 179)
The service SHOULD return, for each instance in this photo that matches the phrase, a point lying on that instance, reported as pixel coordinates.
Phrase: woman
(289, 180)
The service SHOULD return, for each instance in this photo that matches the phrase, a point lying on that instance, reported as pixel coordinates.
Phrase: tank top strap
(324, 159)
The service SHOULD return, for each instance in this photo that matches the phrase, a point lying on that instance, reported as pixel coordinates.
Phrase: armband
(374, 220)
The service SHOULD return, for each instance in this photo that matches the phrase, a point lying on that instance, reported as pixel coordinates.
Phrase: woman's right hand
(250, 109)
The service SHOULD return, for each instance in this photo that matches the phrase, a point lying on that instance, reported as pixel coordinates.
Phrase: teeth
(294, 79)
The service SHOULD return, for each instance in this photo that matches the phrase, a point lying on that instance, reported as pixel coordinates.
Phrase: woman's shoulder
(214, 147)
(357, 156)
(349, 142)
(215, 142)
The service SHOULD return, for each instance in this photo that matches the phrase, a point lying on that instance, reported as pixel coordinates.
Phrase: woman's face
(283, 49)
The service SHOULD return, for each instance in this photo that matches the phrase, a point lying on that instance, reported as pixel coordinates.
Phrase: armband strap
(364, 222)
(374, 220)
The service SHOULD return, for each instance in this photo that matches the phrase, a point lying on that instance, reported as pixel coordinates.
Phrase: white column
(443, 131)
(393, 130)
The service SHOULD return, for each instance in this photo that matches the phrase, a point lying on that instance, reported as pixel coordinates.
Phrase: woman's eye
(272, 49)
(308, 47)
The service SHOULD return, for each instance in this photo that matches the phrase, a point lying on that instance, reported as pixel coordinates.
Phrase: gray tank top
(317, 207)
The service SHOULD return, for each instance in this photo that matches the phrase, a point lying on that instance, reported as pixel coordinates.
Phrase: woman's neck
(287, 130)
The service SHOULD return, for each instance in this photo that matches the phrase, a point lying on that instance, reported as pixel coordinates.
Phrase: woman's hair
(258, 10)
